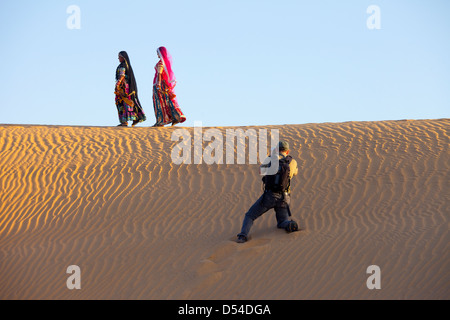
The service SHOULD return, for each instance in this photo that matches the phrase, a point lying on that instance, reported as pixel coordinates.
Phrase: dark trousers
(269, 200)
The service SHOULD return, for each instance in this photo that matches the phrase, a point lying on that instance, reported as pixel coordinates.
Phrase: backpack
(280, 181)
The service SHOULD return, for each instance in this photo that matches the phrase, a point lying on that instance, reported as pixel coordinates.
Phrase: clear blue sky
(237, 62)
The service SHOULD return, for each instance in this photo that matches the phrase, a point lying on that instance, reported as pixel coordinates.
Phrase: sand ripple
(111, 201)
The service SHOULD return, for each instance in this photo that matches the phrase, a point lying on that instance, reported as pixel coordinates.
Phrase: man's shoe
(241, 239)
(291, 227)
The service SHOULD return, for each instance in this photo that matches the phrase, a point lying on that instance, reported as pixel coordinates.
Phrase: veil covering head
(166, 60)
(129, 72)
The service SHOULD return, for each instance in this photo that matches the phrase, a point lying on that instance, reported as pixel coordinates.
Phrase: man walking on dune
(276, 193)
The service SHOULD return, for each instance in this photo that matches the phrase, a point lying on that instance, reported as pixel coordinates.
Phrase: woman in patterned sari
(165, 102)
(127, 101)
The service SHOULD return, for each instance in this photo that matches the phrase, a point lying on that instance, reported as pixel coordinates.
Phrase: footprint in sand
(211, 269)
(228, 251)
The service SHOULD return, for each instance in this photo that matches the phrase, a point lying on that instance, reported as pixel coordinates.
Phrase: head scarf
(129, 73)
(166, 60)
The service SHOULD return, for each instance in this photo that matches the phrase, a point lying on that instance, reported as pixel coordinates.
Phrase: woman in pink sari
(165, 102)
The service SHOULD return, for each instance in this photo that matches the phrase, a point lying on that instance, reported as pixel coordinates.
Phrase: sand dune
(111, 201)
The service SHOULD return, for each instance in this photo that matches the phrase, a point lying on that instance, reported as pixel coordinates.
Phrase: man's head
(283, 147)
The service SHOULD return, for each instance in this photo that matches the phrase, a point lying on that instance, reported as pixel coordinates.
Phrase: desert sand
(111, 201)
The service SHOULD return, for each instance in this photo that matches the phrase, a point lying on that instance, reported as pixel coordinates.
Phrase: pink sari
(165, 102)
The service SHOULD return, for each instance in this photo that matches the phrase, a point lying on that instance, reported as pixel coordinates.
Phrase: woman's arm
(121, 78)
(159, 71)
(119, 89)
